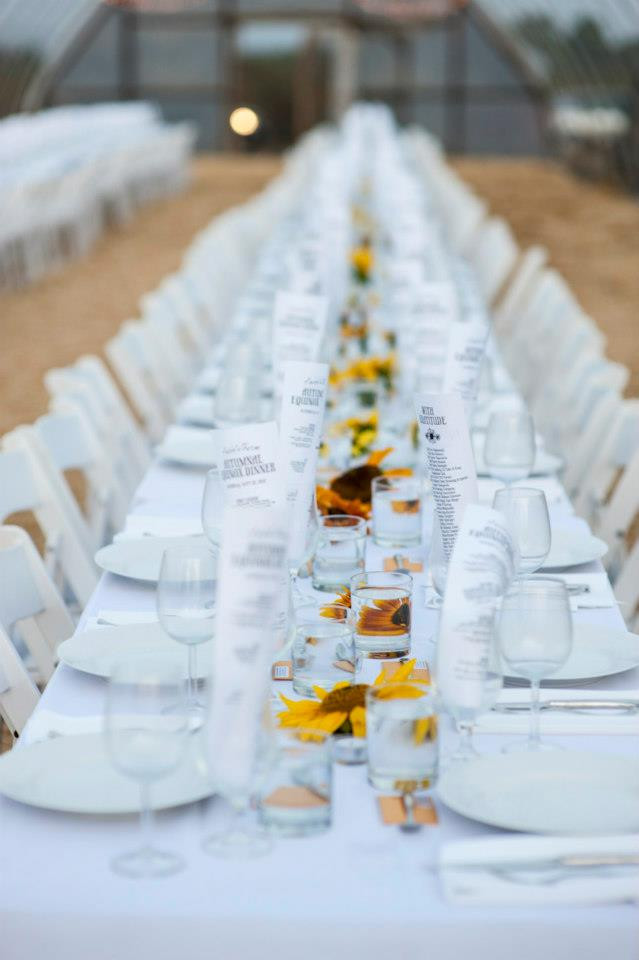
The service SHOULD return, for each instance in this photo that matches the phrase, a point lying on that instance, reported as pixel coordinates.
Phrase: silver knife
(567, 862)
(579, 706)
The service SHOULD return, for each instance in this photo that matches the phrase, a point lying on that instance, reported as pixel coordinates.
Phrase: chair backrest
(18, 693)
(29, 601)
(626, 585)
(25, 485)
(617, 516)
(585, 444)
(139, 384)
(521, 286)
(494, 255)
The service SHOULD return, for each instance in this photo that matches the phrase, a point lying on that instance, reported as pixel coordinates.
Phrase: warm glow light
(244, 121)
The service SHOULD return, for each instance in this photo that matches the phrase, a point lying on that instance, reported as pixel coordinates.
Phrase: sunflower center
(344, 699)
(401, 617)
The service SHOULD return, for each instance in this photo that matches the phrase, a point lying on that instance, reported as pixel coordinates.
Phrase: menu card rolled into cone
(247, 464)
(449, 461)
(251, 566)
(299, 327)
(481, 569)
(302, 416)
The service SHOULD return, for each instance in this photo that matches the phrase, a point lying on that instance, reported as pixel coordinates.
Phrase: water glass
(146, 740)
(381, 605)
(535, 637)
(340, 551)
(509, 448)
(526, 512)
(186, 603)
(295, 797)
(324, 651)
(397, 511)
(401, 734)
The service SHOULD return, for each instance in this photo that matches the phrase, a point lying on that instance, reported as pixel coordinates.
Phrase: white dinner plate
(97, 650)
(596, 652)
(546, 791)
(75, 775)
(572, 546)
(189, 446)
(140, 559)
(197, 409)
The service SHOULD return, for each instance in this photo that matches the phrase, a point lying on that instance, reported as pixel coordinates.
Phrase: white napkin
(197, 408)
(555, 493)
(562, 721)
(137, 526)
(581, 886)
(599, 593)
(117, 618)
(44, 724)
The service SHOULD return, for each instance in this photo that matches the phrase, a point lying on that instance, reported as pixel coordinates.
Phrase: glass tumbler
(381, 605)
(324, 651)
(295, 797)
(397, 511)
(340, 551)
(401, 733)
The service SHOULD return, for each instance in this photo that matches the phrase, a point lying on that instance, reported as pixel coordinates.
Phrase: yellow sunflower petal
(358, 721)
(330, 722)
(320, 693)
(404, 671)
(421, 730)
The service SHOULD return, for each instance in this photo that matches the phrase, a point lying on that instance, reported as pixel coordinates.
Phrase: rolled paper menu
(251, 565)
(302, 415)
(435, 310)
(481, 569)
(449, 461)
(246, 458)
(299, 327)
(466, 348)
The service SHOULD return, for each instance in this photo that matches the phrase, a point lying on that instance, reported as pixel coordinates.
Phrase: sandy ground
(76, 310)
(591, 233)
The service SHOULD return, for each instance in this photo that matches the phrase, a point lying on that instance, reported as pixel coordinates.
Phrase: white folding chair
(493, 255)
(18, 693)
(32, 611)
(25, 485)
(626, 587)
(617, 452)
(132, 368)
(520, 288)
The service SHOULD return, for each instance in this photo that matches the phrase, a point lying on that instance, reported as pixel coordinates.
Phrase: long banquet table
(361, 890)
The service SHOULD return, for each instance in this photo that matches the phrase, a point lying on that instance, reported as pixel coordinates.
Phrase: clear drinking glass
(535, 637)
(146, 740)
(213, 507)
(509, 447)
(397, 511)
(401, 735)
(324, 651)
(381, 605)
(340, 551)
(295, 796)
(465, 714)
(526, 512)
(186, 604)
(238, 394)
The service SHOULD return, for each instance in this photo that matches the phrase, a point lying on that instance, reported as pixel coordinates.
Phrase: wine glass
(535, 637)
(465, 714)
(509, 447)
(146, 740)
(213, 507)
(186, 604)
(299, 556)
(526, 513)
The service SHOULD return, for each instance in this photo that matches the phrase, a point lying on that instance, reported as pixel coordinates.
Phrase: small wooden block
(413, 566)
(282, 670)
(297, 797)
(393, 811)
(419, 673)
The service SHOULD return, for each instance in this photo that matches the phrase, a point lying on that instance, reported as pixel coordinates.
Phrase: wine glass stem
(190, 690)
(146, 816)
(533, 734)
(466, 746)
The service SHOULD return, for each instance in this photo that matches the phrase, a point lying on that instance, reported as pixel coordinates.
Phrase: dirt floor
(591, 232)
(76, 310)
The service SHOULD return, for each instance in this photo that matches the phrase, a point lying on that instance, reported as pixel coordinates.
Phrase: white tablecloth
(363, 890)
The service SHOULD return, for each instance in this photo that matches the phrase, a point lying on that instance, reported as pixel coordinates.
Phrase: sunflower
(343, 709)
(387, 618)
(350, 492)
(362, 261)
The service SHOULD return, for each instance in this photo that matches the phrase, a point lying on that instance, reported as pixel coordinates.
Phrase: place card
(298, 798)
(481, 569)
(251, 567)
(449, 460)
(393, 811)
(247, 463)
